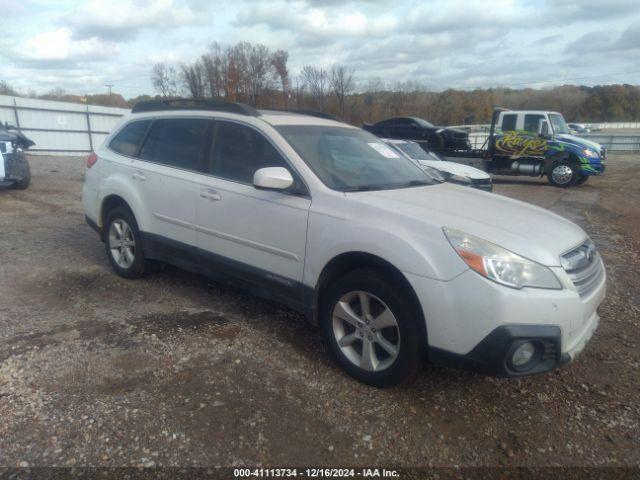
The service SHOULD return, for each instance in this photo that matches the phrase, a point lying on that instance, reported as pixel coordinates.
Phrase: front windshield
(349, 159)
(558, 123)
(415, 151)
(424, 123)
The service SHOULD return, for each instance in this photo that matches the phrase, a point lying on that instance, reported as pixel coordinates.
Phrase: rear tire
(380, 344)
(123, 244)
(563, 174)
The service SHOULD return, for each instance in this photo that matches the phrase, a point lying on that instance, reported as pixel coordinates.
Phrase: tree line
(253, 74)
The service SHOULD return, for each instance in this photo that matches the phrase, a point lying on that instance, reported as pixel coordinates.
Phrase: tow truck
(535, 143)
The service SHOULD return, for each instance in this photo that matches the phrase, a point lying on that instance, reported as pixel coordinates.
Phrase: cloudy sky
(82, 45)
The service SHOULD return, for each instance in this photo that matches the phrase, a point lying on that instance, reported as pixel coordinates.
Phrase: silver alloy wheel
(562, 174)
(122, 245)
(366, 331)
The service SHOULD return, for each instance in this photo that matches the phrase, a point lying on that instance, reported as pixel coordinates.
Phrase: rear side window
(532, 122)
(177, 142)
(239, 151)
(129, 138)
(509, 122)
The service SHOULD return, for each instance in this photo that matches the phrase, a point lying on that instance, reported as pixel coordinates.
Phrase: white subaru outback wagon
(325, 218)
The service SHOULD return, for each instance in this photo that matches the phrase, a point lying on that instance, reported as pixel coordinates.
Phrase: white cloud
(58, 45)
(122, 20)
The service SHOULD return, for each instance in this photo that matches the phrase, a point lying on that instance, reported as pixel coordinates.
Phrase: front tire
(563, 174)
(372, 328)
(25, 181)
(123, 244)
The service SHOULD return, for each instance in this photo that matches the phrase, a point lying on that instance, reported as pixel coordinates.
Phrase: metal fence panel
(60, 127)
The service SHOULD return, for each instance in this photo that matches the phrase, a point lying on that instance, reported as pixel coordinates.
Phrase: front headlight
(434, 173)
(458, 179)
(587, 152)
(499, 264)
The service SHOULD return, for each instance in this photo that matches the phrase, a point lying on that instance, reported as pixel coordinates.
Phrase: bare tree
(317, 82)
(299, 92)
(213, 67)
(193, 79)
(342, 84)
(279, 62)
(165, 80)
(6, 88)
(259, 73)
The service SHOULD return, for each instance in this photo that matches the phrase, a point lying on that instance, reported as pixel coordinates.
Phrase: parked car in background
(324, 217)
(440, 139)
(14, 167)
(578, 128)
(447, 171)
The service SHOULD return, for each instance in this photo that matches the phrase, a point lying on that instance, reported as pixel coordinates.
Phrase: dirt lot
(175, 370)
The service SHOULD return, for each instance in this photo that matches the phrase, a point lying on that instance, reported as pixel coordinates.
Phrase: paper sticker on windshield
(383, 150)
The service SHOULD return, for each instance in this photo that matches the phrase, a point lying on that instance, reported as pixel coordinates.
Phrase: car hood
(17, 137)
(582, 142)
(456, 169)
(529, 231)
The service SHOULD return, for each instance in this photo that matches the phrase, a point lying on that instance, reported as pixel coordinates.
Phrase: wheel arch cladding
(349, 261)
(109, 203)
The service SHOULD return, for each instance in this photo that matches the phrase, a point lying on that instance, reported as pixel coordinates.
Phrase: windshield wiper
(365, 188)
(392, 186)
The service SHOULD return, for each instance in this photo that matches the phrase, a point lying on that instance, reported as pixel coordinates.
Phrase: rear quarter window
(129, 138)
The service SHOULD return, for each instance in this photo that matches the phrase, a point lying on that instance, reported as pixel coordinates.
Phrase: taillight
(92, 159)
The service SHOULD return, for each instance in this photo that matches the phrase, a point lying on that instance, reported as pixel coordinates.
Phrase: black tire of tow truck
(24, 182)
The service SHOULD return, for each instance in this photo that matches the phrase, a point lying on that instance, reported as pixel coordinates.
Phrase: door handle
(210, 195)
(138, 176)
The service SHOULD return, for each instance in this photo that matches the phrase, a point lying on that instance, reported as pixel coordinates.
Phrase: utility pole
(109, 85)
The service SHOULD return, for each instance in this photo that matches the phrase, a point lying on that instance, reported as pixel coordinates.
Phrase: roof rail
(194, 104)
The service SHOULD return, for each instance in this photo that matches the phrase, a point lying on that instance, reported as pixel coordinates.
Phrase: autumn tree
(279, 62)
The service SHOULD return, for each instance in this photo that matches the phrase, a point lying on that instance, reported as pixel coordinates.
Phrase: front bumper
(492, 355)
(473, 323)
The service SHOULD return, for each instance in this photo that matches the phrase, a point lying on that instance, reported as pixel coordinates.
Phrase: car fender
(120, 185)
(427, 254)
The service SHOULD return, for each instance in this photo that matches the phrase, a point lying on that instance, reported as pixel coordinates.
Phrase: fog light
(523, 354)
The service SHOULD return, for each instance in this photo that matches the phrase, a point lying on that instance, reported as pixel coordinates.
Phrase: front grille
(584, 268)
(481, 181)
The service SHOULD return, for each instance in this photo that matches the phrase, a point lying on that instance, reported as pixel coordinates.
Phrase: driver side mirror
(8, 126)
(272, 178)
(544, 129)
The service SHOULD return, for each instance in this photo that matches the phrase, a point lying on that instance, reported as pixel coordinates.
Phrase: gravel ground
(175, 370)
